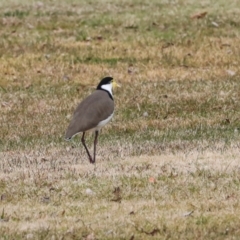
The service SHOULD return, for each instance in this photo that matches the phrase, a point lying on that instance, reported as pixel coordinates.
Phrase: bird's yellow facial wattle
(115, 84)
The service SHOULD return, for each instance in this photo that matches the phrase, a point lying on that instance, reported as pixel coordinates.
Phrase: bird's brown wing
(92, 110)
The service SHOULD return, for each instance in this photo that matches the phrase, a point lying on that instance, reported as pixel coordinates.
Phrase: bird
(94, 112)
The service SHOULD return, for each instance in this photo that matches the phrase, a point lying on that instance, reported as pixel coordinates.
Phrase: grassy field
(168, 163)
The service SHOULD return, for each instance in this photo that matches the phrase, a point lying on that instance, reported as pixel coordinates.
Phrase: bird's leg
(83, 142)
(95, 145)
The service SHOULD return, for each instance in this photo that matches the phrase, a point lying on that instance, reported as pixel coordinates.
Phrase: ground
(168, 163)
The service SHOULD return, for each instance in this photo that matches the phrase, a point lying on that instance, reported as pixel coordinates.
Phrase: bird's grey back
(93, 109)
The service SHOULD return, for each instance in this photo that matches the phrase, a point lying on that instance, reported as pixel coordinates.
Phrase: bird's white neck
(107, 87)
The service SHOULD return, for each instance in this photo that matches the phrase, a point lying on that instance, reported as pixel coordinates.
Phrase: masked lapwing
(93, 113)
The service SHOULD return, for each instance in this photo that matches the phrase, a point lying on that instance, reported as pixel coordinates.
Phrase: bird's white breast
(103, 123)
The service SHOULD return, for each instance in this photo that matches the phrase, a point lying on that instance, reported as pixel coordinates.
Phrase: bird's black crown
(104, 81)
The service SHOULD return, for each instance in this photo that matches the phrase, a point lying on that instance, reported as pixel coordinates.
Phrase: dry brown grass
(51, 194)
(167, 165)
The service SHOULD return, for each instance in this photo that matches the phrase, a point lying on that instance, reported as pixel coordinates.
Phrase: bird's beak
(115, 84)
